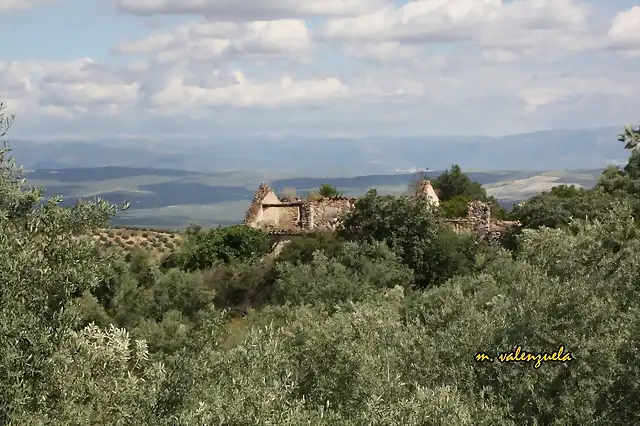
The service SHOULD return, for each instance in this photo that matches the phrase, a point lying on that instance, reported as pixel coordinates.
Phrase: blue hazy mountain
(310, 156)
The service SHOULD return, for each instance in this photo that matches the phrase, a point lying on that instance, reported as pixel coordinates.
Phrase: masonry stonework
(295, 216)
(327, 212)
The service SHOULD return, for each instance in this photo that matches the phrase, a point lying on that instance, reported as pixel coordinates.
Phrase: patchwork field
(171, 199)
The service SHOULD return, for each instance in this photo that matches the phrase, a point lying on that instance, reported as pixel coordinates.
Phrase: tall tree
(453, 182)
(43, 267)
(630, 137)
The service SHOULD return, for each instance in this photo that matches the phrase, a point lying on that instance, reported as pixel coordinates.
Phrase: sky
(361, 68)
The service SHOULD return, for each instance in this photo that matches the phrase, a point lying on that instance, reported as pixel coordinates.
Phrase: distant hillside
(170, 198)
(295, 156)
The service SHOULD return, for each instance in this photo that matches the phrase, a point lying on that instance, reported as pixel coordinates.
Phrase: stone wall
(325, 214)
(295, 216)
(479, 221)
(479, 216)
(280, 216)
(460, 225)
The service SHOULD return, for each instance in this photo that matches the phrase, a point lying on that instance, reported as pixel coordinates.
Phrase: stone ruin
(426, 190)
(296, 216)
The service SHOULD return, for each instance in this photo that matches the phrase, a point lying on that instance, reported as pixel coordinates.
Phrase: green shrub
(353, 274)
(413, 228)
(301, 249)
(556, 209)
(241, 286)
(226, 244)
(456, 206)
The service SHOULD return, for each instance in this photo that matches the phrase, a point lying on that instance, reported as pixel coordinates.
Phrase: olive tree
(46, 363)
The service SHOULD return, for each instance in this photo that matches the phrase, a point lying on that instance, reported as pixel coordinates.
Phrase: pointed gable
(264, 194)
(426, 190)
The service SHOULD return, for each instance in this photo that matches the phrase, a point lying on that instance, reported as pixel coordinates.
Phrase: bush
(338, 346)
(44, 267)
(225, 244)
(556, 209)
(355, 273)
(413, 228)
(241, 286)
(456, 206)
(169, 261)
(301, 250)
(329, 191)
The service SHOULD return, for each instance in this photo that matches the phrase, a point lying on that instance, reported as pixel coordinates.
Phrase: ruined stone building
(289, 217)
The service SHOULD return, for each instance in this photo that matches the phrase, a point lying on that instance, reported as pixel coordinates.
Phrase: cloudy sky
(339, 67)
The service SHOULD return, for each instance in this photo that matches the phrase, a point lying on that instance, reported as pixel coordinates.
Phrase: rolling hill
(173, 198)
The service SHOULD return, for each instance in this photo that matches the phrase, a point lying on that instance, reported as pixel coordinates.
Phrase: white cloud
(207, 40)
(66, 89)
(488, 22)
(625, 29)
(245, 93)
(561, 88)
(237, 10)
(7, 6)
(382, 51)
(431, 65)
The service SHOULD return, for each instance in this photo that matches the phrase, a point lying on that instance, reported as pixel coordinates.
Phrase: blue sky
(74, 68)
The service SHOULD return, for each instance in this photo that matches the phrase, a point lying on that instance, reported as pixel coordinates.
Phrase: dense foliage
(455, 190)
(379, 324)
(328, 190)
(203, 249)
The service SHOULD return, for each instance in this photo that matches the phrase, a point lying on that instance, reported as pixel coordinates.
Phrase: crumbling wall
(296, 216)
(479, 215)
(499, 228)
(460, 225)
(280, 217)
(307, 216)
(326, 213)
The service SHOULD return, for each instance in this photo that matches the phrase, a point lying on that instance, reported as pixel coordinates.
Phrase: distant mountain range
(290, 157)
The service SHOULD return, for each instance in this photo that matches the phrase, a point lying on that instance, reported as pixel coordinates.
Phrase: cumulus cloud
(492, 23)
(66, 89)
(625, 29)
(245, 93)
(432, 65)
(237, 10)
(385, 51)
(207, 40)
